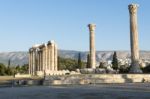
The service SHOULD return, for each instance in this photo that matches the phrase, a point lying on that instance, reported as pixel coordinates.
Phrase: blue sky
(24, 23)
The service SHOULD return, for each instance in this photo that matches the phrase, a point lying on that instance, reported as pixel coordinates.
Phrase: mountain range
(21, 57)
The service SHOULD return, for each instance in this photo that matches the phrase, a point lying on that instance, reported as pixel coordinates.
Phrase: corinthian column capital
(92, 27)
(133, 8)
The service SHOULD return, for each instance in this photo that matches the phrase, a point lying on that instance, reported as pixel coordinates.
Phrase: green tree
(67, 63)
(80, 65)
(18, 69)
(115, 61)
(9, 71)
(24, 69)
(124, 68)
(58, 62)
(9, 62)
(101, 65)
(146, 69)
(2, 69)
(88, 61)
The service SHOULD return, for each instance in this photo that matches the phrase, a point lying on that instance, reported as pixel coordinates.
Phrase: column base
(93, 67)
(135, 68)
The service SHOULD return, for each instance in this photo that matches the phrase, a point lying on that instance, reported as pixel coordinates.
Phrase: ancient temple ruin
(43, 58)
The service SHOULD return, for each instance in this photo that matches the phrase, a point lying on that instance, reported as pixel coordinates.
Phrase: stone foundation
(52, 73)
(96, 79)
(22, 76)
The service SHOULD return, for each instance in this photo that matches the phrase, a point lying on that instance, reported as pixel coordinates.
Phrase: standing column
(29, 61)
(49, 55)
(134, 39)
(92, 45)
(46, 57)
(33, 58)
(52, 56)
(38, 60)
(40, 54)
(43, 58)
(55, 58)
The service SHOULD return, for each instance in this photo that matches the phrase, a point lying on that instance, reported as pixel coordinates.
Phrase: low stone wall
(22, 76)
(52, 73)
(96, 79)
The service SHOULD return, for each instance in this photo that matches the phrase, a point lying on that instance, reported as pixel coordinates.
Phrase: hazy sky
(24, 23)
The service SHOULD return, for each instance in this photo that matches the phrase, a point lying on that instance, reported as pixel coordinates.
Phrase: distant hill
(20, 58)
(17, 58)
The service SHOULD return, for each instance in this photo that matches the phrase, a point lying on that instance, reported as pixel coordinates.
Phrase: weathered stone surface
(74, 73)
(87, 71)
(134, 39)
(92, 45)
(100, 71)
(97, 79)
(111, 71)
(22, 75)
(43, 58)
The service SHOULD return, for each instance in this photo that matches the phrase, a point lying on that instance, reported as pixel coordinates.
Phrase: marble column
(39, 52)
(50, 68)
(49, 55)
(92, 45)
(33, 64)
(43, 58)
(38, 59)
(55, 58)
(35, 60)
(29, 61)
(52, 55)
(135, 68)
(46, 57)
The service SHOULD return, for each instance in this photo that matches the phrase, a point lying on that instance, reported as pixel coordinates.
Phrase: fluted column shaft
(33, 59)
(92, 45)
(52, 56)
(49, 54)
(38, 60)
(43, 59)
(46, 58)
(55, 58)
(134, 39)
(29, 62)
